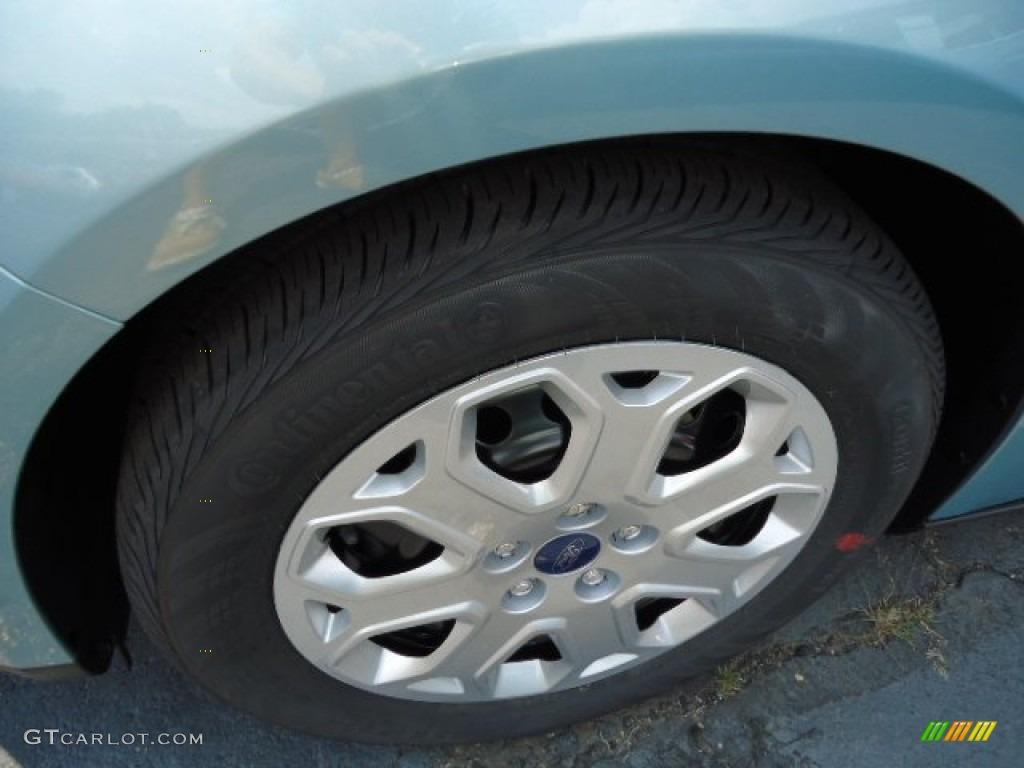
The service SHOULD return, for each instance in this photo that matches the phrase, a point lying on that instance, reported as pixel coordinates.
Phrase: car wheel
(523, 444)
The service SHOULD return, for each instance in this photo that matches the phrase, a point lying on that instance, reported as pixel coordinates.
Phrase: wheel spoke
(464, 516)
(725, 488)
(722, 576)
(479, 659)
(749, 474)
(424, 498)
(637, 424)
(623, 459)
(596, 640)
(388, 612)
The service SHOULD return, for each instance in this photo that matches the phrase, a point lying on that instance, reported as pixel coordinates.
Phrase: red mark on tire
(850, 542)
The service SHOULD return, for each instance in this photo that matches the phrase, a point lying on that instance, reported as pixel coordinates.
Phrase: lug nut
(593, 577)
(628, 532)
(506, 550)
(521, 588)
(578, 510)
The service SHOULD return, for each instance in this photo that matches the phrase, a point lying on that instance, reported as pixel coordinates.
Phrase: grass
(730, 679)
(902, 618)
(906, 619)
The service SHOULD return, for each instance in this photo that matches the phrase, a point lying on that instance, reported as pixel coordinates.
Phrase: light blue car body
(111, 111)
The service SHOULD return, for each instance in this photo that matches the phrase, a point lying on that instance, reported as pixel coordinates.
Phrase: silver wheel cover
(604, 563)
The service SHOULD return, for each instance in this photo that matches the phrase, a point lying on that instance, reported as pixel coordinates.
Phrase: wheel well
(964, 246)
(64, 509)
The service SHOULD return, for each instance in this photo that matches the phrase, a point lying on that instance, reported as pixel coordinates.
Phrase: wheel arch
(535, 99)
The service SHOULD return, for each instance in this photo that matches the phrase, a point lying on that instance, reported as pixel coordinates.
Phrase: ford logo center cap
(567, 554)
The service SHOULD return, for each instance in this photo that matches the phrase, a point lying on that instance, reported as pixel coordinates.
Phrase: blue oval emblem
(567, 554)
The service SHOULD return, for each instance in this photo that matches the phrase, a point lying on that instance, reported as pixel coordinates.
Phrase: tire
(471, 308)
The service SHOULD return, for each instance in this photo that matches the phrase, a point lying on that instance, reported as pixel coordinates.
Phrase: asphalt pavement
(929, 628)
